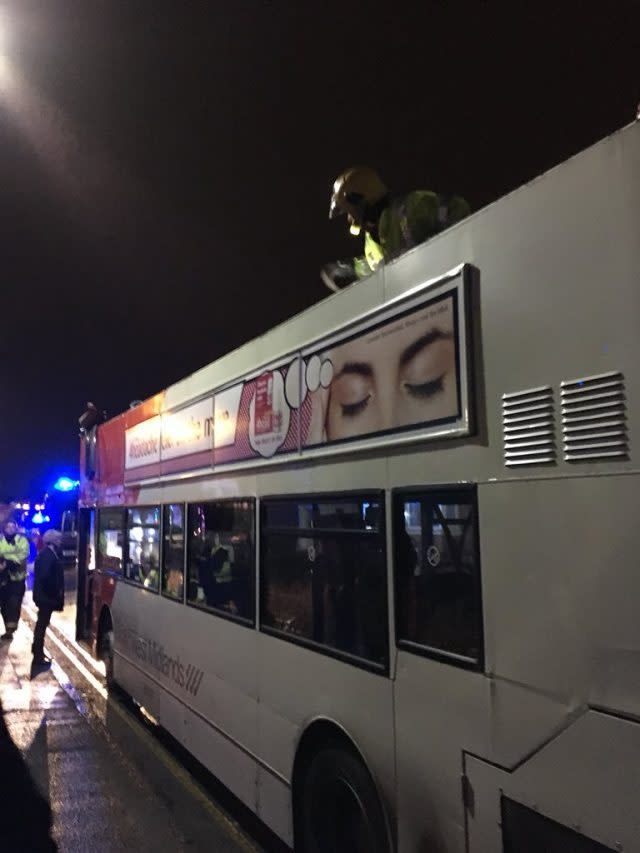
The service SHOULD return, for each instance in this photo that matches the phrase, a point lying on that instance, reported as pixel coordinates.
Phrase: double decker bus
(377, 569)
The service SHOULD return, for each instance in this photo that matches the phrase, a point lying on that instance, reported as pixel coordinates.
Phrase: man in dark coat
(48, 593)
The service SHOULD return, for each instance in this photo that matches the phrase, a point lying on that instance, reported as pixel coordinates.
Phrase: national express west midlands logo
(185, 675)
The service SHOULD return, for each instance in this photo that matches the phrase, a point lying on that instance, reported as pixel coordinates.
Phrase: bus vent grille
(594, 418)
(528, 426)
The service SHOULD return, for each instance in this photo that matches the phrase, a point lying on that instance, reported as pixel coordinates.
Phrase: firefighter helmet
(354, 191)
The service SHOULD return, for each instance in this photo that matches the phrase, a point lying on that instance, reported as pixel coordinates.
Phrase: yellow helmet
(355, 190)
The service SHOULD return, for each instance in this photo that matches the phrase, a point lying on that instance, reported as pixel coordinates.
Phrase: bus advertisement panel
(254, 419)
(400, 374)
(397, 374)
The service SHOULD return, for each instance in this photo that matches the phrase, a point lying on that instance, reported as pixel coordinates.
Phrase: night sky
(165, 168)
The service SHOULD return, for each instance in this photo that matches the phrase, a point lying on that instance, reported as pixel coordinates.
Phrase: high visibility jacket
(406, 222)
(151, 580)
(17, 552)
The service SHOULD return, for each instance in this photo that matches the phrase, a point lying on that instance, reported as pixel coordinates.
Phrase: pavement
(64, 621)
(109, 786)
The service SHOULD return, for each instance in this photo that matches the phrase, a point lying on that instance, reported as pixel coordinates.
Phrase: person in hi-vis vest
(392, 224)
(14, 552)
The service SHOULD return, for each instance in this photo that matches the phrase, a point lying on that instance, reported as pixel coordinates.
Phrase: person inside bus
(221, 568)
(147, 563)
(327, 594)
(406, 376)
(216, 575)
(150, 573)
(407, 570)
(345, 594)
(392, 224)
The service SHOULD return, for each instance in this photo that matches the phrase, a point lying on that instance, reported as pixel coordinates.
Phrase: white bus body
(539, 732)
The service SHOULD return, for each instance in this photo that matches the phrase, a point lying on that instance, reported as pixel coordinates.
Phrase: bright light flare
(103, 197)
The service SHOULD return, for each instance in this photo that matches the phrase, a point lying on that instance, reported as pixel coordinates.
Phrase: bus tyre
(107, 656)
(340, 809)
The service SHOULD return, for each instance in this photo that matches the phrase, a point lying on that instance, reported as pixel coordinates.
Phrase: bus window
(142, 562)
(437, 573)
(324, 574)
(221, 557)
(173, 551)
(110, 539)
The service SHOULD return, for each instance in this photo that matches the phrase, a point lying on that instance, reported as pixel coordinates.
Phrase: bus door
(439, 688)
(68, 528)
(86, 568)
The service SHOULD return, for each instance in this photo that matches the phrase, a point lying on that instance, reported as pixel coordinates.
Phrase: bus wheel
(105, 649)
(108, 658)
(340, 808)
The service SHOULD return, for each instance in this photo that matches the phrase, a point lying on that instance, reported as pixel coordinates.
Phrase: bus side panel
(441, 712)
(234, 768)
(196, 673)
(298, 685)
(482, 817)
(561, 586)
(221, 756)
(275, 804)
(585, 780)
(438, 707)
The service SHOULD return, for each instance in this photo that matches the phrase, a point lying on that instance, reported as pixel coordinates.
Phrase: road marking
(97, 665)
(93, 681)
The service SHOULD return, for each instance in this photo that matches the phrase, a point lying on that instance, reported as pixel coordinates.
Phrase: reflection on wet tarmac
(85, 757)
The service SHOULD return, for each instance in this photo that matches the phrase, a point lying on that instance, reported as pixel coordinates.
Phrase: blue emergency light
(66, 484)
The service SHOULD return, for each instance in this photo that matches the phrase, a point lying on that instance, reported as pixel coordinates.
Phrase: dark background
(165, 168)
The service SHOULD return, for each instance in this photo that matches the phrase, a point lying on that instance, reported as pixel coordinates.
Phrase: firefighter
(391, 224)
(14, 552)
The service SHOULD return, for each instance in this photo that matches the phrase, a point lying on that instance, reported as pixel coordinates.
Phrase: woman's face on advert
(397, 375)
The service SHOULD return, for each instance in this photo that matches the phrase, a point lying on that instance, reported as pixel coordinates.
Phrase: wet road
(111, 783)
